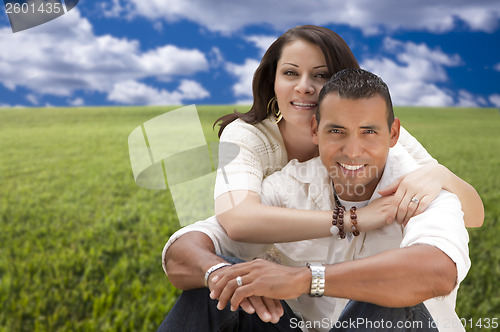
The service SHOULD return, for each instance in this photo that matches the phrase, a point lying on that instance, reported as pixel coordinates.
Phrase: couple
(354, 128)
(434, 258)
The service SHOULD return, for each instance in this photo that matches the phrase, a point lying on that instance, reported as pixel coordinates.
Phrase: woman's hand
(416, 190)
(378, 213)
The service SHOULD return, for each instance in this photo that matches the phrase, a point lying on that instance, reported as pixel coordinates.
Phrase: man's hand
(268, 310)
(260, 278)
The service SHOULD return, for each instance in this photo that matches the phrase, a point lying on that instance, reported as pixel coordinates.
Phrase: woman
(277, 129)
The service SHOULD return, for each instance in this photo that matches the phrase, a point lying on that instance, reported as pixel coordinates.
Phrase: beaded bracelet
(338, 222)
(354, 221)
(341, 222)
(334, 229)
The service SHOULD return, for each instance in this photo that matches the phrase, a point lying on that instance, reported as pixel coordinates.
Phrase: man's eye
(369, 131)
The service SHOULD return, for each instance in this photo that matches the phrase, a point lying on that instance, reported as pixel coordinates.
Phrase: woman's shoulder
(413, 147)
(264, 131)
(264, 125)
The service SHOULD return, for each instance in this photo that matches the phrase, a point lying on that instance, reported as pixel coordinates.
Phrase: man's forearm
(395, 278)
(191, 255)
(188, 258)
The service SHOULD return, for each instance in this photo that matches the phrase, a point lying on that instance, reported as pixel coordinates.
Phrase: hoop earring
(272, 109)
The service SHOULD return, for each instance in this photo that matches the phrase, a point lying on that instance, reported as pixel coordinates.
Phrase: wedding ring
(415, 200)
(238, 281)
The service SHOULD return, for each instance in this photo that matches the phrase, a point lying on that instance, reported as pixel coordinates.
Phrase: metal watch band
(317, 279)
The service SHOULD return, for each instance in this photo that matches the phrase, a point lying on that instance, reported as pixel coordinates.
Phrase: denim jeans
(195, 311)
(362, 316)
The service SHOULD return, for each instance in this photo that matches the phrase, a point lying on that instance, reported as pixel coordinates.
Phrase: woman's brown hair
(337, 54)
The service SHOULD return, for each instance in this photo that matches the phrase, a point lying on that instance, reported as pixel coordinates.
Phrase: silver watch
(317, 279)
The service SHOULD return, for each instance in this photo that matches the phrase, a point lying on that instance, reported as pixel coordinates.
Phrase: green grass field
(80, 243)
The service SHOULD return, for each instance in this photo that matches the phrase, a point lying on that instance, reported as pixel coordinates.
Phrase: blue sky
(170, 52)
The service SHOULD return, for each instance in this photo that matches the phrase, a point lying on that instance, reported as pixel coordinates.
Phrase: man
(386, 269)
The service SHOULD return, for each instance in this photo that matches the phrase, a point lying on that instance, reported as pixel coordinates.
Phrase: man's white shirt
(307, 186)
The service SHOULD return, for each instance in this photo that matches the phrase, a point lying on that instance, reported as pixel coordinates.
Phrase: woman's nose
(305, 86)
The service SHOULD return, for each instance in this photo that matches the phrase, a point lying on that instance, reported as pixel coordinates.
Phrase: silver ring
(415, 200)
(238, 281)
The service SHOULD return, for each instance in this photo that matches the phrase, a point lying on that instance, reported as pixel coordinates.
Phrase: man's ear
(314, 129)
(395, 128)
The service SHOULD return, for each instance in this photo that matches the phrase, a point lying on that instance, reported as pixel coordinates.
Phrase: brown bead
(354, 221)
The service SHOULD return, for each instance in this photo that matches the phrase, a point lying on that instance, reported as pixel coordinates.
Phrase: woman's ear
(314, 129)
(395, 129)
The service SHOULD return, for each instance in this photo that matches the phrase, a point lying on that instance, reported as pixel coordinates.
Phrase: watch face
(315, 264)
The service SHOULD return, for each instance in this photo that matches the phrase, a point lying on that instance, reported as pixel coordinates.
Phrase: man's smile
(352, 167)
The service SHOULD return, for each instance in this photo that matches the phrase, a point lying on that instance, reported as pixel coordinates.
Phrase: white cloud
(65, 56)
(410, 52)
(76, 102)
(495, 100)
(158, 26)
(245, 102)
(227, 16)
(32, 99)
(215, 57)
(497, 67)
(132, 92)
(413, 73)
(413, 76)
(113, 10)
(192, 90)
(262, 42)
(12, 106)
(467, 99)
(244, 74)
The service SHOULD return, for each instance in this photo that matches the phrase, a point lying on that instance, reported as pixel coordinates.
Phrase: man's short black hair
(355, 83)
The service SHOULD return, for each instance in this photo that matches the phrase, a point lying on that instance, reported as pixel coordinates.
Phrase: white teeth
(303, 104)
(351, 167)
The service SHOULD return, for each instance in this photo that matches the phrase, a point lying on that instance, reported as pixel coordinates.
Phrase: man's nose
(353, 148)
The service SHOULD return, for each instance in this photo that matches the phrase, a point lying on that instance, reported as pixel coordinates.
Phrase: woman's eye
(289, 73)
(323, 75)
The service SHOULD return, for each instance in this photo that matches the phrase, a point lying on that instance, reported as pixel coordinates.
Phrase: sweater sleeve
(247, 154)
(222, 243)
(414, 148)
